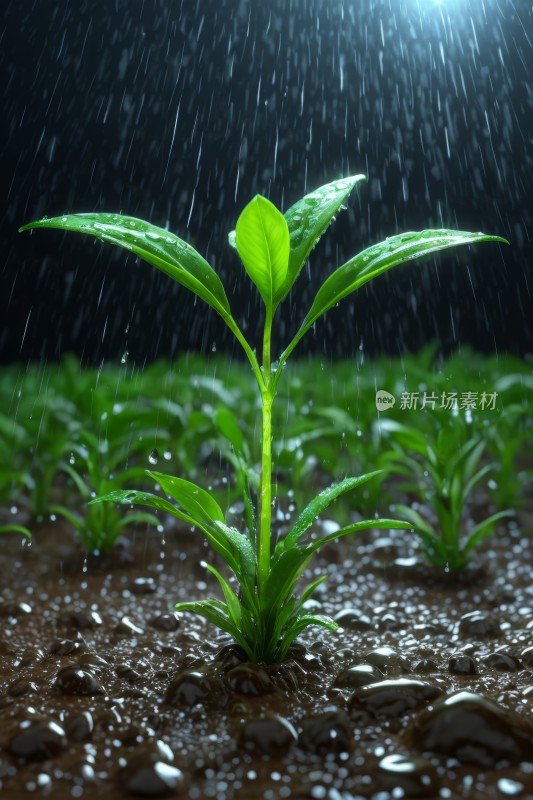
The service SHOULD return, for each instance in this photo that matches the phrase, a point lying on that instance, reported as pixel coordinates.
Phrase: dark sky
(179, 111)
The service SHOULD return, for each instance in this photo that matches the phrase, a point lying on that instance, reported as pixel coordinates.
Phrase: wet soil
(426, 691)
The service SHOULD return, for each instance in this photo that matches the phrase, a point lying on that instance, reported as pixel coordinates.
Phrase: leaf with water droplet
(157, 246)
(377, 259)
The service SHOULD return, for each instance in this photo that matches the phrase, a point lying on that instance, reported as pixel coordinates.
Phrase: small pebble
(462, 664)
(77, 681)
(36, 740)
(271, 734)
(474, 730)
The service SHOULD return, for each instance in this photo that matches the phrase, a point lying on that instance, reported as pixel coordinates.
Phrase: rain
(180, 112)
(266, 522)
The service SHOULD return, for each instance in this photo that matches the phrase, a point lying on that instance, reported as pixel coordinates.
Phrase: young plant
(91, 468)
(267, 615)
(442, 471)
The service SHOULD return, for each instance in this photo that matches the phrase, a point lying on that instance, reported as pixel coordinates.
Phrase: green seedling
(266, 616)
(441, 472)
(91, 467)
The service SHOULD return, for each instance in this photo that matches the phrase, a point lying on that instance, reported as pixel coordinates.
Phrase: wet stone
(30, 656)
(391, 698)
(143, 586)
(426, 666)
(77, 681)
(127, 673)
(36, 740)
(462, 664)
(271, 734)
(80, 727)
(188, 688)
(387, 660)
(510, 788)
(15, 610)
(353, 619)
(250, 680)
(231, 655)
(21, 688)
(92, 660)
(388, 622)
(474, 730)
(166, 622)
(414, 776)
(356, 676)
(67, 647)
(526, 657)
(478, 623)
(502, 662)
(329, 732)
(83, 620)
(127, 627)
(149, 773)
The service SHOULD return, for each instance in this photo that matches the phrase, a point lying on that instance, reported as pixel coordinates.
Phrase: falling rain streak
(180, 112)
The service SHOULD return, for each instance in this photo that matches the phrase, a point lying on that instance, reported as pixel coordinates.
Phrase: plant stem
(267, 398)
(263, 549)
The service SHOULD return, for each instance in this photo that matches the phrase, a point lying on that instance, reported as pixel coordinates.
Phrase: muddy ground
(426, 691)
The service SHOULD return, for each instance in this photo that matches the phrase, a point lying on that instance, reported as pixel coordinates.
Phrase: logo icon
(384, 400)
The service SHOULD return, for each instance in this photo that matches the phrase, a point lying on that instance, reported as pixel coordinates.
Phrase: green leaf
(483, 529)
(15, 529)
(378, 259)
(137, 498)
(227, 424)
(307, 220)
(263, 243)
(194, 500)
(232, 601)
(300, 624)
(129, 519)
(216, 613)
(158, 247)
(320, 503)
(240, 545)
(363, 525)
(310, 589)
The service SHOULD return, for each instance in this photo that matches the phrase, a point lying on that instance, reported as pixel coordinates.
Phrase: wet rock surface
(474, 730)
(427, 691)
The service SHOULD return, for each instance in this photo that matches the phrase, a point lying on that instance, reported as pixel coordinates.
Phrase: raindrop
(153, 458)
(124, 357)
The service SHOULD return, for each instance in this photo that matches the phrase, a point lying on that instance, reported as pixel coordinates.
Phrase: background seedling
(442, 470)
(273, 247)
